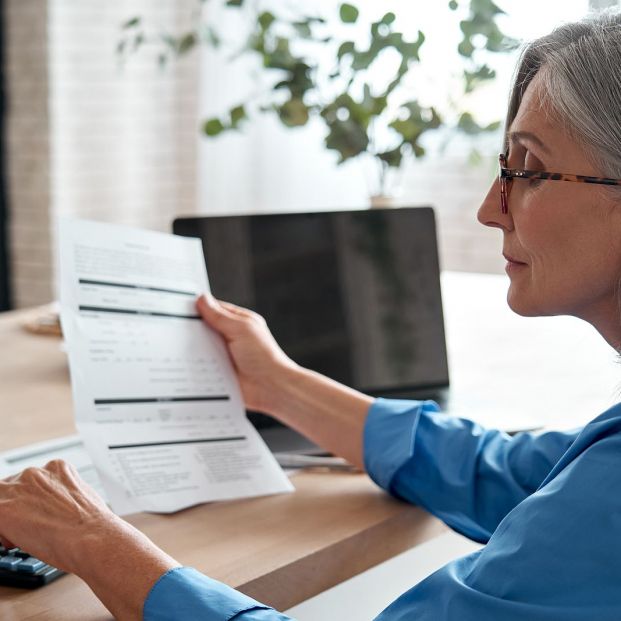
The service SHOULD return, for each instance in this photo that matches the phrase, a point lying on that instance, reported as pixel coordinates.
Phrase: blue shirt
(547, 506)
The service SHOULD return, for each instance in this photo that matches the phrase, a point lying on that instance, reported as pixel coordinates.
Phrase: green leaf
(280, 57)
(301, 80)
(293, 113)
(346, 137)
(130, 23)
(401, 71)
(409, 51)
(453, 5)
(388, 19)
(363, 60)
(486, 8)
(347, 47)
(234, 2)
(266, 19)
(475, 78)
(469, 126)
(213, 127)
(303, 29)
(469, 27)
(417, 121)
(347, 122)
(465, 48)
(367, 97)
(238, 114)
(393, 157)
(186, 43)
(348, 13)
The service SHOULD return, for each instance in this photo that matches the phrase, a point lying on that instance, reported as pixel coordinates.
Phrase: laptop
(354, 295)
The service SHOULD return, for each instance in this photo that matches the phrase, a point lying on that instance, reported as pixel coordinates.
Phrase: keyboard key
(20, 553)
(26, 580)
(9, 562)
(30, 565)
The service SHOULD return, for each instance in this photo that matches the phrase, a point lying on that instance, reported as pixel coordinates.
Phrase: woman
(547, 506)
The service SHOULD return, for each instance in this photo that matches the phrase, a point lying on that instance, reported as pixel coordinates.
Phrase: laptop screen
(354, 295)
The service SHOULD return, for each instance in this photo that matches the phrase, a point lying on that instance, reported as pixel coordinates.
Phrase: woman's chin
(520, 303)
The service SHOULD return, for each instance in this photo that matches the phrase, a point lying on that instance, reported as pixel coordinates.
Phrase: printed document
(69, 448)
(156, 399)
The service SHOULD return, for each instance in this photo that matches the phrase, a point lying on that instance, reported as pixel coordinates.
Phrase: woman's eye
(532, 163)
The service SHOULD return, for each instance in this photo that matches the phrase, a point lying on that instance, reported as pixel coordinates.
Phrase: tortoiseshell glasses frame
(507, 175)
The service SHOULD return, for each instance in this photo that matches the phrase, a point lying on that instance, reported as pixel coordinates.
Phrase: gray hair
(580, 68)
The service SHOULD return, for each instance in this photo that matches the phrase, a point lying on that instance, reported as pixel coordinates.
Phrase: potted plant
(383, 123)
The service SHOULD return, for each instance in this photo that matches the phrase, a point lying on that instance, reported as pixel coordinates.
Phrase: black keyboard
(19, 569)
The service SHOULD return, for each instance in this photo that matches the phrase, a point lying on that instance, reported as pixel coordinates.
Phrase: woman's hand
(260, 364)
(46, 511)
(54, 515)
(328, 413)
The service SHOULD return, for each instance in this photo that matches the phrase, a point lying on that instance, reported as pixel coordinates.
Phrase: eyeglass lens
(505, 184)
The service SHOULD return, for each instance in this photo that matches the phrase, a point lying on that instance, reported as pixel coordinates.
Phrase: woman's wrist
(282, 388)
(330, 414)
(120, 564)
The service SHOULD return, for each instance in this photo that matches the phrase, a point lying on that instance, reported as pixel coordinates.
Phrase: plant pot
(379, 201)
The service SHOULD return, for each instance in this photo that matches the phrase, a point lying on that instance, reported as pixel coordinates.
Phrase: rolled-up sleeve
(184, 593)
(468, 476)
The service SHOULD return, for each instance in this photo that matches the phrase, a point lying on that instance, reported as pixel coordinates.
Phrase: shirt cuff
(389, 433)
(185, 593)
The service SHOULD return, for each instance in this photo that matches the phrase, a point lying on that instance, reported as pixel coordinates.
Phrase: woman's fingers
(214, 313)
(229, 320)
(236, 310)
(42, 509)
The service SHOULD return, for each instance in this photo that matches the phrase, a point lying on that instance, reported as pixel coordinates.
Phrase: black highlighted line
(162, 399)
(115, 447)
(131, 311)
(123, 285)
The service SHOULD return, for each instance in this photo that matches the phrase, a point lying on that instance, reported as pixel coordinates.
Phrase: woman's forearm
(328, 413)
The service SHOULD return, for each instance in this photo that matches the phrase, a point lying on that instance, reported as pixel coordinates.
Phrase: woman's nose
(490, 213)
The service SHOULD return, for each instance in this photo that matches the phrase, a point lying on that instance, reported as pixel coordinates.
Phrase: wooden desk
(280, 549)
(506, 371)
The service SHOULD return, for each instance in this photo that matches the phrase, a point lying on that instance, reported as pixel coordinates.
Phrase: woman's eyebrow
(529, 136)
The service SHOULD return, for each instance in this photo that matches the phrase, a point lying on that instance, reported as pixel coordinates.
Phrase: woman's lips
(511, 259)
(512, 263)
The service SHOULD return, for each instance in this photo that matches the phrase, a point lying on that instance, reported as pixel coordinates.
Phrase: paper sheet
(69, 448)
(155, 396)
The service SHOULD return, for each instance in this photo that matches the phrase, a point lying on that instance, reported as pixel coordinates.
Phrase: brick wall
(88, 137)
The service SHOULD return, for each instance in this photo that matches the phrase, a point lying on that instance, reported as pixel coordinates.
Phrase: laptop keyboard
(19, 569)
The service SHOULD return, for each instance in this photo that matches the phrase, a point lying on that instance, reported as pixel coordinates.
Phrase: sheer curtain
(124, 135)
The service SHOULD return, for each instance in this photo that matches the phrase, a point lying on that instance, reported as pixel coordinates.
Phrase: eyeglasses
(507, 175)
